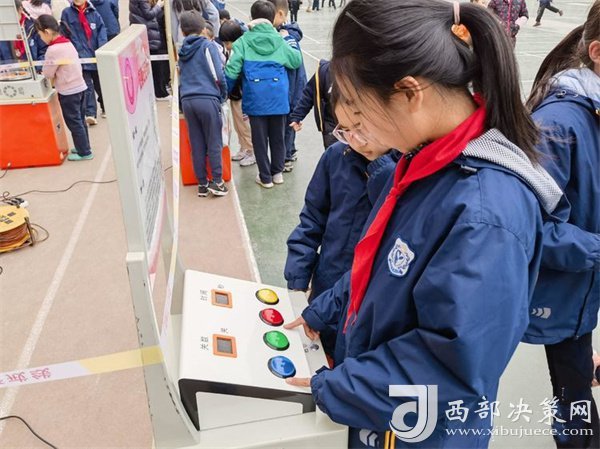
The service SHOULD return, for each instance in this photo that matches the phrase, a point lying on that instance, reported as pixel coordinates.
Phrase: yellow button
(267, 296)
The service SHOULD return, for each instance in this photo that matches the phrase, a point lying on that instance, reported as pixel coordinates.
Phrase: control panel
(233, 343)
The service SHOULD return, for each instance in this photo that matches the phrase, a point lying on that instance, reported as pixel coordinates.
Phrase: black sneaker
(294, 156)
(202, 190)
(217, 189)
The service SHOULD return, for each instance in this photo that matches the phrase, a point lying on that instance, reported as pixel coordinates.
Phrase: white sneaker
(278, 178)
(167, 98)
(248, 161)
(266, 185)
(91, 121)
(239, 155)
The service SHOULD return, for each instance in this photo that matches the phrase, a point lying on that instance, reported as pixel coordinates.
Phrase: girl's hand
(297, 126)
(310, 333)
(299, 381)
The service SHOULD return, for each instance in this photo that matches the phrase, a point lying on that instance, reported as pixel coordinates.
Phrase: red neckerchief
(59, 40)
(84, 21)
(431, 159)
(20, 44)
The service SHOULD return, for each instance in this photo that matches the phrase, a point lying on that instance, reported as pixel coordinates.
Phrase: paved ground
(69, 297)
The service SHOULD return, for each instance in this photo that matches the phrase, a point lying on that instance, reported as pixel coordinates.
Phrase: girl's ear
(409, 91)
(594, 53)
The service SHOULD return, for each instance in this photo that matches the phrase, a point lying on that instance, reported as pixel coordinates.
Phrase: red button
(271, 317)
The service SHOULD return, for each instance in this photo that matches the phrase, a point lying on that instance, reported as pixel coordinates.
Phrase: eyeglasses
(345, 135)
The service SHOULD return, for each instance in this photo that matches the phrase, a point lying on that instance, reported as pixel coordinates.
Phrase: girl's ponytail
(496, 77)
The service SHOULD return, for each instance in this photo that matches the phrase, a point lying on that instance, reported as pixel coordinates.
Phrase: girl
(68, 82)
(437, 298)
(346, 183)
(566, 102)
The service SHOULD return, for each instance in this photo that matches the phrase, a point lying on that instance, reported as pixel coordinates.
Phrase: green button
(276, 340)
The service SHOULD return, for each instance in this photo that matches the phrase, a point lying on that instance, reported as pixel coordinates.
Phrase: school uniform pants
(294, 7)
(73, 111)
(269, 131)
(315, 5)
(241, 125)
(92, 80)
(541, 10)
(571, 372)
(204, 120)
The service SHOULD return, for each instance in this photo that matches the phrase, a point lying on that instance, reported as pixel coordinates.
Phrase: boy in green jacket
(261, 57)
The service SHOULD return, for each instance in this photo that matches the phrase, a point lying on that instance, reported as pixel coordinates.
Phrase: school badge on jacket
(400, 258)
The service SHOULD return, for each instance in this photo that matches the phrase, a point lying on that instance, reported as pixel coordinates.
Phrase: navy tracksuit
(564, 309)
(202, 90)
(72, 29)
(338, 200)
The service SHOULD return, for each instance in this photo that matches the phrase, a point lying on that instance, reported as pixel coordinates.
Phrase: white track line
(305, 35)
(40, 320)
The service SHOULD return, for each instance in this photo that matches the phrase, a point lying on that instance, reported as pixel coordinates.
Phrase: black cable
(2, 418)
(5, 172)
(7, 196)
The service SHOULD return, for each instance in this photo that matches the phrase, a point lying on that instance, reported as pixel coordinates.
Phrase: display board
(137, 154)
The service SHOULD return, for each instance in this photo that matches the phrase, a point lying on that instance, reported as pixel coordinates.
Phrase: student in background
(230, 32)
(294, 6)
(68, 82)
(545, 5)
(513, 14)
(202, 90)
(317, 95)
(84, 27)
(263, 51)
(565, 101)
(15, 50)
(296, 77)
(109, 10)
(151, 14)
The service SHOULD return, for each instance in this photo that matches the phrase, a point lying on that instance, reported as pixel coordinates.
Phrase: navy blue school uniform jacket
(470, 241)
(201, 70)
(567, 296)
(109, 10)
(338, 200)
(72, 29)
